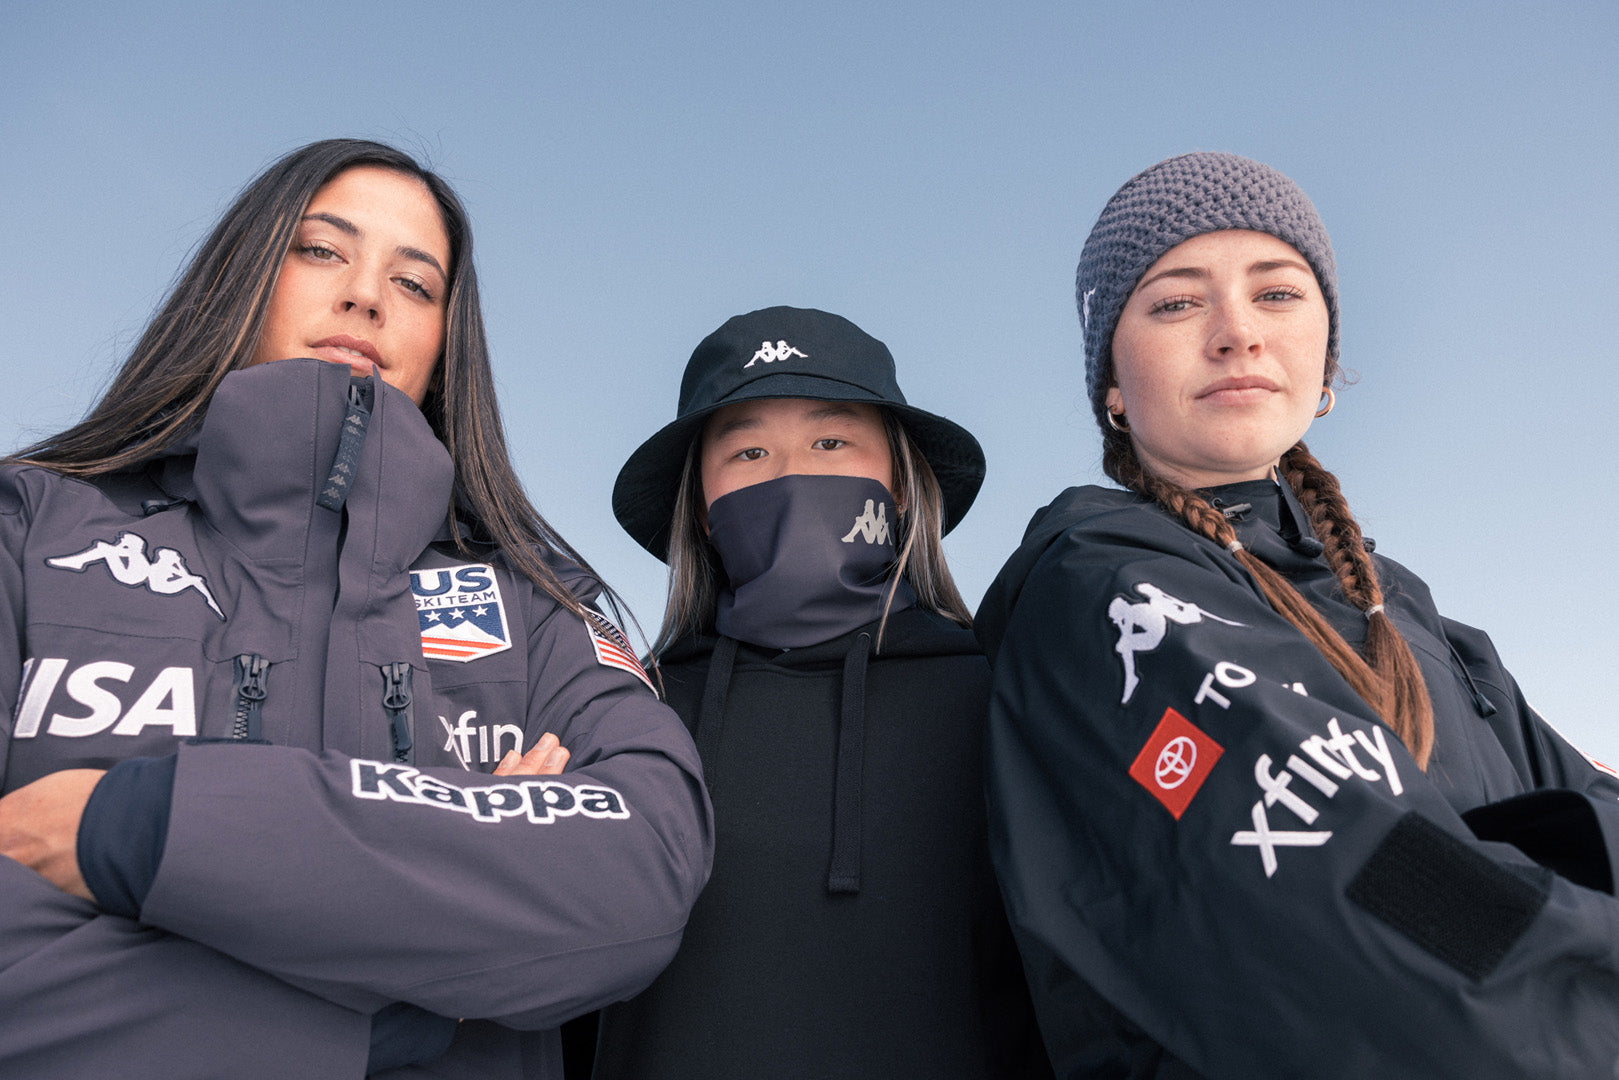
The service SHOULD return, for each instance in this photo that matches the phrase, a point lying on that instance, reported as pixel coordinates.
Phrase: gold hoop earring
(1330, 402)
(1113, 422)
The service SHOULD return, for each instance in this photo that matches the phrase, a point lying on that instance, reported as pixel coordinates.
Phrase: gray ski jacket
(274, 602)
(1219, 863)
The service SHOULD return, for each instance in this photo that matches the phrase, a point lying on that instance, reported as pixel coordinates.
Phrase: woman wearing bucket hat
(1257, 808)
(817, 648)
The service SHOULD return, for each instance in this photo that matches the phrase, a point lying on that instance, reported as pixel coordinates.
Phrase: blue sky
(638, 173)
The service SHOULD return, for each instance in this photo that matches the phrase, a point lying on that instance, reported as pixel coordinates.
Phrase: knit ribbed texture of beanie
(1175, 200)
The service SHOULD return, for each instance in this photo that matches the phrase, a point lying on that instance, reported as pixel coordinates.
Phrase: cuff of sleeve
(122, 832)
(404, 1034)
(1565, 831)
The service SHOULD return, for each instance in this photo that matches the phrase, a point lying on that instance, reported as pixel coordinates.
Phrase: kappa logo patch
(164, 572)
(460, 612)
(612, 648)
(1176, 760)
(1142, 626)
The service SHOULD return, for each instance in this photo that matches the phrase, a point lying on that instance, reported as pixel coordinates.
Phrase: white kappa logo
(165, 573)
(770, 354)
(1142, 626)
(1175, 763)
(872, 524)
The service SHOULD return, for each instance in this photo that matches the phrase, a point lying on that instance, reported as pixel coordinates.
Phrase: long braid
(1387, 652)
(1368, 679)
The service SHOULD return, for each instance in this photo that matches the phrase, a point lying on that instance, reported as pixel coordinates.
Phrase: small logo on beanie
(771, 353)
(1085, 309)
(871, 524)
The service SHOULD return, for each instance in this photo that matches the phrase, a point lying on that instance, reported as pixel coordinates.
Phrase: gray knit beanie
(1175, 200)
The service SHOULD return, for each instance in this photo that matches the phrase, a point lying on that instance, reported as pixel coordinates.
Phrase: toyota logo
(1175, 763)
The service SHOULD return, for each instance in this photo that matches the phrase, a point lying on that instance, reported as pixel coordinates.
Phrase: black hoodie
(852, 926)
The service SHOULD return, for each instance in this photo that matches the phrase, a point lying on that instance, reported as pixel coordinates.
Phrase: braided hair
(1386, 676)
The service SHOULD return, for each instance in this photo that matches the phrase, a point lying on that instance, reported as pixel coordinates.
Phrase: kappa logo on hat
(1175, 762)
(771, 353)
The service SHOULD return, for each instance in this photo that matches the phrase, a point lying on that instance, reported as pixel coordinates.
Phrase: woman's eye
(1282, 292)
(318, 252)
(752, 453)
(1170, 305)
(414, 286)
(829, 444)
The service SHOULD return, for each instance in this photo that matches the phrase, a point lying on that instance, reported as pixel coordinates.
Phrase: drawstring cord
(847, 795)
(711, 713)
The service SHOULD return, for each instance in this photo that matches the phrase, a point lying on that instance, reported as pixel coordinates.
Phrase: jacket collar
(258, 463)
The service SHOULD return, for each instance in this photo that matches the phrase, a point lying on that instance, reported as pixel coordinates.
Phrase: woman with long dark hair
(276, 604)
(818, 649)
(1257, 808)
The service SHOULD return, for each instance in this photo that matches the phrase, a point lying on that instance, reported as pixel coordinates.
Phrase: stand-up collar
(258, 463)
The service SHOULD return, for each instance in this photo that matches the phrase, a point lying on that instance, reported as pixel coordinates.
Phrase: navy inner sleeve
(405, 1034)
(122, 832)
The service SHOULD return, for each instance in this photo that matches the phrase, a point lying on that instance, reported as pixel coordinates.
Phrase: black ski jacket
(1219, 863)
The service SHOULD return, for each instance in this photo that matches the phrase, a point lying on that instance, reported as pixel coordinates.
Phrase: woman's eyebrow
(347, 227)
(1174, 272)
(735, 424)
(342, 224)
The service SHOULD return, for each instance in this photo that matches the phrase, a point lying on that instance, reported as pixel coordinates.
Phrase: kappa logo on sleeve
(1142, 626)
(1176, 760)
(539, 801)
(612, 648)
(164, 572)
(460, 613)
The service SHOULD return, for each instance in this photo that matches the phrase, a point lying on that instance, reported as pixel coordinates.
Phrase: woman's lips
(1241, 390)
(360, 355)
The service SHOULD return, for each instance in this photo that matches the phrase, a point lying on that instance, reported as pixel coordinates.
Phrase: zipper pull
(396, 704)
(252, 678)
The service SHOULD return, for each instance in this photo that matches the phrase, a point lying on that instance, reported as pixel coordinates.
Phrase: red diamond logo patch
(1175, 762)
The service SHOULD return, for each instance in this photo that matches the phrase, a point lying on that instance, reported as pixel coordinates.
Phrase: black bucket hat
(785, 352)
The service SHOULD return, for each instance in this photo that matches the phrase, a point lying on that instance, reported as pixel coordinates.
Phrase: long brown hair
(695, 573)
(209, 326)
(1387, 677)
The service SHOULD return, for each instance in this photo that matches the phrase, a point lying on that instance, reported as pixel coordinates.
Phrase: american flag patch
(459, 611)
(612, 647)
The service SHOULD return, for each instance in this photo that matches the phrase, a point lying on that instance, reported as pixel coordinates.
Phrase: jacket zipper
(396, 705)
(252, 678)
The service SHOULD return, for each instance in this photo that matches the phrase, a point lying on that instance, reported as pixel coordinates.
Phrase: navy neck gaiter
(807, 559)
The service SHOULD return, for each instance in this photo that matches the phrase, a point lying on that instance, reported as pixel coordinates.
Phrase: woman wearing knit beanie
(1257, 808)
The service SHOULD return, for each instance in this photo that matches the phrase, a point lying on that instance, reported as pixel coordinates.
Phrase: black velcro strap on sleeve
(1555, 827)
(1447, 898)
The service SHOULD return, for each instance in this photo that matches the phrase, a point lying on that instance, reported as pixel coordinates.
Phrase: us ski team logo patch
(612, 648)
(1175, 762)
(460, 612)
